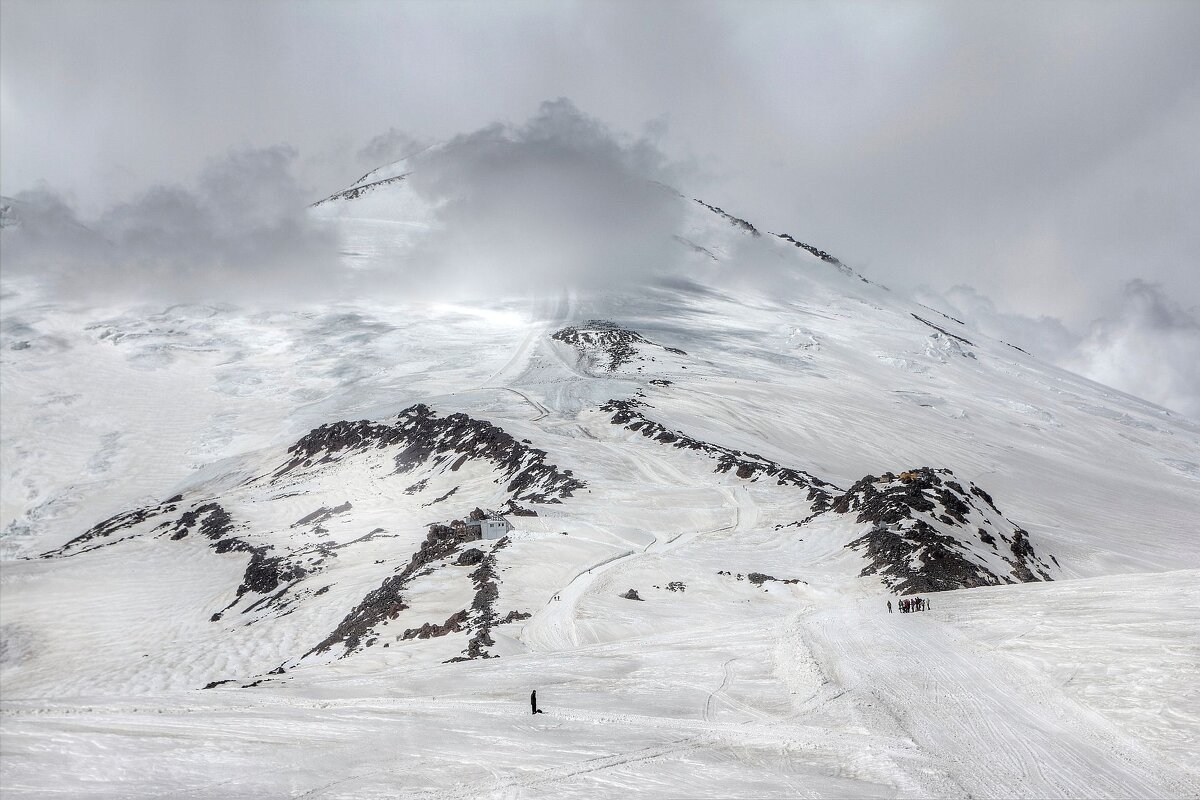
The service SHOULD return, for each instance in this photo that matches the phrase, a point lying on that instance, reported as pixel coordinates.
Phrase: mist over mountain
(561, 202)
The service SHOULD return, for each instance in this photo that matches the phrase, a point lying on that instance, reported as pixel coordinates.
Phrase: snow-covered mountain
(237, 558)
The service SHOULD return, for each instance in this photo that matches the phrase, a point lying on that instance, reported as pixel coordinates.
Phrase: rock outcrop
(929, 533)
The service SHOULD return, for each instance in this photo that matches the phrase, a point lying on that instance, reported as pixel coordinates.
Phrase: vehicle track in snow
(997, 728)
(725, 676)
(554, 628)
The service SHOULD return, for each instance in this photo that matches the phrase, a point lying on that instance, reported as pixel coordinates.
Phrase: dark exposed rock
(984, 496)
(748, 466)
(943, 330)
(453, 624)
(264, 573)
(695, 248)
(930, 534)
(214, 522)
(631, 595)
(943, 565)
(517, 511)
(828, 258)
(357, 191)
(322, 514)
(816, 251)
(607, 342)
(676, 586)
(515, 616)
(736, 222)
(759, 578)
(448, 494)
(115, 523)
(487, 591)
(425, 436)
(469, 558)
(387, 601)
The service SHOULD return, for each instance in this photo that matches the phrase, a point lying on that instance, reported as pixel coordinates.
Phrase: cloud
(1149, 348)
(1042, 335)
(558, 202)
(391, 145)
(241, 233)
(1044, 153)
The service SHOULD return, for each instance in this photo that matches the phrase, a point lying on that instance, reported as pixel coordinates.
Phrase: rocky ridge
(748, 466)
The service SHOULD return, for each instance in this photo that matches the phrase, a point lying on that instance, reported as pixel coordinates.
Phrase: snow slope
(763, 467)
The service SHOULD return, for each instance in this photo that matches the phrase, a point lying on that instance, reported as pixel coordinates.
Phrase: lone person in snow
(889, 606)
(533, 703)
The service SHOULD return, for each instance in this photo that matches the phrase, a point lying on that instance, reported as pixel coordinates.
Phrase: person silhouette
(533, 703)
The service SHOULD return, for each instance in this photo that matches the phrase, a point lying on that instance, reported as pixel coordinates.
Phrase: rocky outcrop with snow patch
(421, 437)
(607, 345)
(929, 533)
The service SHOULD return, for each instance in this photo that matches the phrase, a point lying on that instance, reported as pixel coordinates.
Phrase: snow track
(994, 727)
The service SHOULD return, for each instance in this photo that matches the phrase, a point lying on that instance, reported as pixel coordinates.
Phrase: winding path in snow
(553, 627)
(992, 726)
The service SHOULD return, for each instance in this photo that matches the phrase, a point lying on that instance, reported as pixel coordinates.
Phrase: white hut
(494, 528)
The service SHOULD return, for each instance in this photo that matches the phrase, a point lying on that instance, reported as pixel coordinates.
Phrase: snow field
(1083, 687)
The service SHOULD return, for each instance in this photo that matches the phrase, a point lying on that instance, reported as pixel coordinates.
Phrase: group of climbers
(909, 605)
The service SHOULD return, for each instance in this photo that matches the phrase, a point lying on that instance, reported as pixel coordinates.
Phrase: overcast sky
(1043, 154)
